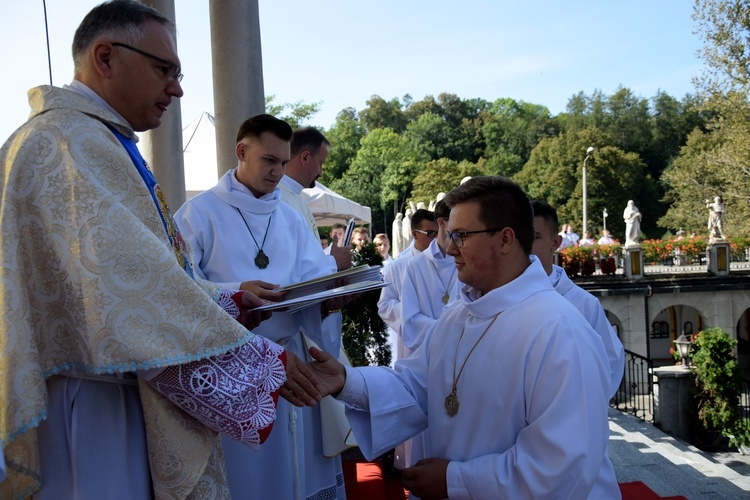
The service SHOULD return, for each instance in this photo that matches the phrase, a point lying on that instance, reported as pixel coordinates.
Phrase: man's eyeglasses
(457, 237)
(429, 234)
(171, 71)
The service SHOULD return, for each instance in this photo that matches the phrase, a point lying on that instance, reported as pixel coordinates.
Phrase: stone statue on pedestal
(406, 229)
(632, 218)
(715, 218)
(396, 238)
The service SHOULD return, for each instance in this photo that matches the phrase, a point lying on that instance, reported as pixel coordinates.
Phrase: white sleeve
(415, 322)
(396, 406)
(390, 299)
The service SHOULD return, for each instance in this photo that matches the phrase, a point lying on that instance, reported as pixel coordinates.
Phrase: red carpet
(639, 491)
(366, 481)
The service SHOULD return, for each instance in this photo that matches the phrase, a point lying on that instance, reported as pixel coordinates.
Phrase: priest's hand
(249, 318)
(427, 479)
(263, 290)
(331, 373)
(302, 387)
(342, 255)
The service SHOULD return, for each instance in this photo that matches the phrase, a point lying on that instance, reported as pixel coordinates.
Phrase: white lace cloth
(231, 393)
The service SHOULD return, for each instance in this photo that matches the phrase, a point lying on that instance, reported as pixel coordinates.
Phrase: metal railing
(636, 393)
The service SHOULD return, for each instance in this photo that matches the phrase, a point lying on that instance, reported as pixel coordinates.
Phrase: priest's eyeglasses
(171, 70)
(429, 234)
(457, 237)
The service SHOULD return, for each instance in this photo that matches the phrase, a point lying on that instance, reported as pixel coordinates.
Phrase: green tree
(381, 173)
(554, 174)
(380, 113)
(294, 114)
(716, 161)
(441, 175)
(345, 136)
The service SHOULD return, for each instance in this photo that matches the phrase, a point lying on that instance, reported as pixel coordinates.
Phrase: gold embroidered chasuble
(89, 282)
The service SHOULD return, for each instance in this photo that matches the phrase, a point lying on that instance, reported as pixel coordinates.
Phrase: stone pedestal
(634, 262)
(717, 254)
(672, 400)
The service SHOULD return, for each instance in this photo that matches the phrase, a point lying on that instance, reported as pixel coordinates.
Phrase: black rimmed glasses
(457, 237)
(171, 71)
(429, 234)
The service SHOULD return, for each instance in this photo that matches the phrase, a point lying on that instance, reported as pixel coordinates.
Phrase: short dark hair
(121, 20)
(502, 203)
(441, 210)
(307, 138)
(421, 215)
(548, 213)
(338, 225)
(254, 126)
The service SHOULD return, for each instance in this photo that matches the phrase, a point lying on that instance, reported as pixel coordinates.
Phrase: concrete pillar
(672, 400)
(634, 262)
(718, 257)
(162, 147)
(237, 72)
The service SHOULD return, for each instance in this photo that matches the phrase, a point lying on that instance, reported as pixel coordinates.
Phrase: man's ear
(240, 151)
(101, 59)
(305, 156)
(508, 237)
(557, 242)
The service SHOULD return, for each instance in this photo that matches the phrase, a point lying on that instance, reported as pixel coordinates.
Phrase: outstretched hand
(330, 373)
(427, 479)
(302, 387)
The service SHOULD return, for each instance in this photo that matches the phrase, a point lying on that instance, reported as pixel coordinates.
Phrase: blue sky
(341, 52)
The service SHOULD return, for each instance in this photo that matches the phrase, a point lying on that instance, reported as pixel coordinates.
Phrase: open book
(308, 293)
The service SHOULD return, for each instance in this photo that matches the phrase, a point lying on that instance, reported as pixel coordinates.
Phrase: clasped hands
(427, 478)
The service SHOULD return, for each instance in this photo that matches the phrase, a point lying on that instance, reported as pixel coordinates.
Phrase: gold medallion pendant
(446, 297)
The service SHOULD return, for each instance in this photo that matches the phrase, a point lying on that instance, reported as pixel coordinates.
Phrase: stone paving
(641, 452)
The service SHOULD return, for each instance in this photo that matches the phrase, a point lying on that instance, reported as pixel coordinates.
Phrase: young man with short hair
(511, 381)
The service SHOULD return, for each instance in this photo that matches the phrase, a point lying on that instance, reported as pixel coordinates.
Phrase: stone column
(162, 147)
(672, 400)
(237, 72)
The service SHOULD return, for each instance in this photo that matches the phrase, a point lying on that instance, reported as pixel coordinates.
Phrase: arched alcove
(669, 324)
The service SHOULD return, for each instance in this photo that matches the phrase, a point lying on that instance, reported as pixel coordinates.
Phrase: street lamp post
(604, 218)
(585, 215)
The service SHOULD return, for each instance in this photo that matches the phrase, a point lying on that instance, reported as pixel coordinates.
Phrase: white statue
(396, 238)
(632, 217)
(406, 229)
(715, 218)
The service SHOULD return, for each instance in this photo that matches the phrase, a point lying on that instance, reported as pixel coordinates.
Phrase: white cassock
(532, 415)
(430, 284)
(389, 304)
(225, 252)
(592, 310)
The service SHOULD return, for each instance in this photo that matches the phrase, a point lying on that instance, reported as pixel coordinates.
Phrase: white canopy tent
(330, 207)
(201, 173)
